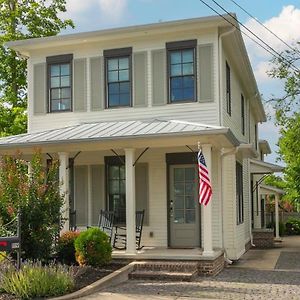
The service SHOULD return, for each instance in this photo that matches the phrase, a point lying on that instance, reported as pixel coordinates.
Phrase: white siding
(207, 113)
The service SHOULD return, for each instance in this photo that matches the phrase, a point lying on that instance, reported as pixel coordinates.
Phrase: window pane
(176, 70)
(178, 216)
(176, 82)
(190, 202)
(179, 174)
(113, 64)
(122, 186)
(113, 172)
(124, 63)
(66, 104)
(114, 187)
(188, 69)
(122, 172)
(188, 94)
(189, 188)
(55, 94)
(179, 189)
(65, 81)
(188, 81)
(66, 93)
(124, 87)
(65, 69)
(190, 216)
(113, 76)
(55, 105)
(189, 174)
(113, 100)
(54, 82)
(124, 99)
(175, 57)
(187, 56)
(54, 70)
(123, 75)
(176, 94)
(113, 88)
(179, 202)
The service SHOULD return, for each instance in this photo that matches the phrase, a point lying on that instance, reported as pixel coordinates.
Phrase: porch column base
(208, 253)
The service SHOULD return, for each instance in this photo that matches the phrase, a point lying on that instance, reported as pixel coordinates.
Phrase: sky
(282, 17)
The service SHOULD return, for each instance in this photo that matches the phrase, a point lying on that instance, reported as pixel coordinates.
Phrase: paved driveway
(251, 278)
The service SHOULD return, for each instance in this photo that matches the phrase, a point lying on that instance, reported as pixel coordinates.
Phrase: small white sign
(15, 245)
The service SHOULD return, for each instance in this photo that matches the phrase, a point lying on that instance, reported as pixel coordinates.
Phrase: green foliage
(293, 226)
(35, 280)
(38, 198)
(66, 247)
(93, 248)
(22, 19)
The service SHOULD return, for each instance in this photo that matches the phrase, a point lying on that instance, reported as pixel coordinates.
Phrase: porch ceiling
(117, 134)
(270, 190)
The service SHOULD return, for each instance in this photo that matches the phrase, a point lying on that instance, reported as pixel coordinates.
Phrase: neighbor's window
(116, 192)
(239, 194)
(182, 71)
(228, 89)
(118, 77)
(60, 83)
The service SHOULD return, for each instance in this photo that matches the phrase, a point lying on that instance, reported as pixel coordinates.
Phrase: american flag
(205, 190)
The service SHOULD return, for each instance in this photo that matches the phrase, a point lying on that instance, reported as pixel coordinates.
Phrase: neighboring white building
(105, 97)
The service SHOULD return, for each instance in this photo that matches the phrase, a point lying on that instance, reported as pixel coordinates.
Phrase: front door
(184, 216)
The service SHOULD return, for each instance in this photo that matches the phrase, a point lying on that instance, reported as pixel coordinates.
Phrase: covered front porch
(142, 165)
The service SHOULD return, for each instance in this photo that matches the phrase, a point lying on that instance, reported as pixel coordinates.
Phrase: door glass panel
(178, 174)
(179, 216)
(190, 216)
(179, 189)
(179, 202)
(189, 188)
(189, 202)
(189, 174)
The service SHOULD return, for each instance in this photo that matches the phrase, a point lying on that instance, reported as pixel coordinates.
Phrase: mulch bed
(84, 276)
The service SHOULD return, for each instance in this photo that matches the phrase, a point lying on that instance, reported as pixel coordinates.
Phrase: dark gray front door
(183, 207)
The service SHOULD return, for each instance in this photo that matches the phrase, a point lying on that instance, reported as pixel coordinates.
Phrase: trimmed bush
(93, 248)
(293, 226)
(35, 281)
(66, 247)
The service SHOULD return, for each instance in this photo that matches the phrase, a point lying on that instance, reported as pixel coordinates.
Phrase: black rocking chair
(72, 220)
(120, 233)
(106, 222)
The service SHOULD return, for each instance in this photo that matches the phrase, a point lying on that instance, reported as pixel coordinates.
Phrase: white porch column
(277, 237)
(64, 187)
(207, 210)
(130, 201)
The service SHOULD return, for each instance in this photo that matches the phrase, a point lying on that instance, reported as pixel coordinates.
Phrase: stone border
(116, 277)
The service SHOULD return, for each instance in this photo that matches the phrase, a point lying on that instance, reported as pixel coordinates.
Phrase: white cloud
(113, 8)
(285, 25)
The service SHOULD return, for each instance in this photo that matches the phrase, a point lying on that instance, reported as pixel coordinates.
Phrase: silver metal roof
(114, 130)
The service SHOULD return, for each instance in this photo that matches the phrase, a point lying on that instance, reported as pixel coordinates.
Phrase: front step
(165, 270)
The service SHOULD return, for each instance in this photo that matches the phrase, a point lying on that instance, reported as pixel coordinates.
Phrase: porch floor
(162, 253)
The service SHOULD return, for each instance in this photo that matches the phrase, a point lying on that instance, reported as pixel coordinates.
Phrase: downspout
(221, 99)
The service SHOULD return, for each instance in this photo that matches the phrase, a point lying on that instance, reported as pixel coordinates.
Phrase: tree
(22, 19)
(288, 118)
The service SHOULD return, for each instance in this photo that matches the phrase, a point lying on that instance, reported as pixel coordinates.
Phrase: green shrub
(293, 226)
(66, 247)
(35, 281)
(93, 248)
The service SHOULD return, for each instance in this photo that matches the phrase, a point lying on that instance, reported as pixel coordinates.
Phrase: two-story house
(124, 110)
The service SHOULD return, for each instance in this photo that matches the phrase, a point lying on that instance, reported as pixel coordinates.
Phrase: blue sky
(282, 17)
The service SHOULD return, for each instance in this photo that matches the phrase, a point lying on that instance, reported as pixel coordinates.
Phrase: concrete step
(163, 275)
(170, 266)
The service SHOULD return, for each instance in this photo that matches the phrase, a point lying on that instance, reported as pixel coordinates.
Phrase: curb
(116, 277)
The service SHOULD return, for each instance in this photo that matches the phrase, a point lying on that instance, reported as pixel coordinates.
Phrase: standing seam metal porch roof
(115, 130)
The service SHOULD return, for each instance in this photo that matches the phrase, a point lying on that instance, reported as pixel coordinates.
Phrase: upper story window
(243, 114)
(59, 83)
(255, 136)
(239, 194)
(182, 71)
(118, 77)
(228, 89)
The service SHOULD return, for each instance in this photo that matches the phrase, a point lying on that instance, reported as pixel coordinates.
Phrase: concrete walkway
(255, 277)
